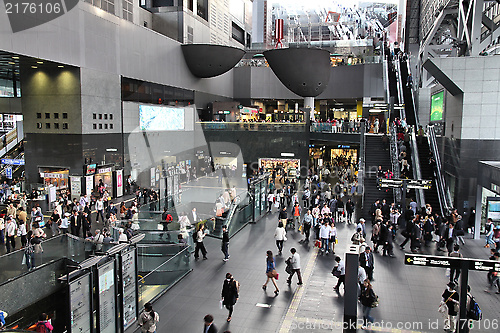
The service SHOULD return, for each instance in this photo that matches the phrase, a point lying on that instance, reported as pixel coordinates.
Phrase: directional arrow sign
(431, 261)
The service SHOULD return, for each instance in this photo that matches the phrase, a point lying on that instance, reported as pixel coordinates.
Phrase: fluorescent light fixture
(287, 154)
(15, 57)
(12, 63)
(60, 66)
(39, 62)
(111, 149)
(34, 67)
(376, 110)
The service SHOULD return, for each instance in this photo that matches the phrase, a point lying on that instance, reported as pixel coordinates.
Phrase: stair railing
(417, 171)
(394, 152)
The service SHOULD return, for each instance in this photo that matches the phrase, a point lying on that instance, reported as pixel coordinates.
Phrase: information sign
(79, 299)
(129, 288)
(107, 307)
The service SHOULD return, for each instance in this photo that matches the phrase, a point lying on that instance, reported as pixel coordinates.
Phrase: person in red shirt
(296, 215)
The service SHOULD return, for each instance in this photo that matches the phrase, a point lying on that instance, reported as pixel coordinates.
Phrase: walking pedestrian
(369, 300)
(366, 261)
(148, 319)
(209, 326)
(280, 237)
(271, 272)
(10, 233)
(225, 243)
(341, 268)
(306, 226)
(230, 294)
(200, 235)
(295, 262)
(451, 299)
(455, 272)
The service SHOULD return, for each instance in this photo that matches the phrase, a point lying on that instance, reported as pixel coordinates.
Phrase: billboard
(437, 106)
(160, 118)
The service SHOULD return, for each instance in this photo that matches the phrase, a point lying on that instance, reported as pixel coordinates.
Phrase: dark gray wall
(346, 82)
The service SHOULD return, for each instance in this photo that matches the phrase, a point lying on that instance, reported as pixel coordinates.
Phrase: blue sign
(12, 161)
(8, 172)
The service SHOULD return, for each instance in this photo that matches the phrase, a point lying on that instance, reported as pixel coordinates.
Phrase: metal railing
(394, 152)
(412, 91)
(399, 83)
(443, 192)
(386, 77)
(417, 172)
(362, 166)
(249, 126)
(349, 127)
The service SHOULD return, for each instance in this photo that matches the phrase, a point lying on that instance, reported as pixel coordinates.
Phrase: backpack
(41, 327)
(474, 312)
(336, 271)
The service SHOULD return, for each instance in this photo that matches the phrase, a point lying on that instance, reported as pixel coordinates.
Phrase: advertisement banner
(76, 186)
(89, 184)
(437, 106)
(119, 183)
(153, 177)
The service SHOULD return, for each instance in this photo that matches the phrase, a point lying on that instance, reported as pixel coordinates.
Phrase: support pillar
(463, 326)
(351, 290)
(477, 222)
(309, 103)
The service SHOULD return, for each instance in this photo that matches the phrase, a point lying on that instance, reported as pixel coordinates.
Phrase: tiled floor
(409, 296)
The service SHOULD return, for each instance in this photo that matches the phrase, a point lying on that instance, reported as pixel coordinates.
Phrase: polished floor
(409, 296)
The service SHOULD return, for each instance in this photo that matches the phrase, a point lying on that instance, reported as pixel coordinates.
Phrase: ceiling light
(39, 62)
(34, 67)
(12, 63)
(60, 66)
(15, 57)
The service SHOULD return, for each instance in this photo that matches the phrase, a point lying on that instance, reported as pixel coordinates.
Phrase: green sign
(437, 106)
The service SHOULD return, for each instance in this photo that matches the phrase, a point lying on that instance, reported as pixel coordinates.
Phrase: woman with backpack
(148, 319)
(230, 294)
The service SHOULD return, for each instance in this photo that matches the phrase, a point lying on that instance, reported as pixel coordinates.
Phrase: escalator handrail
(412, 92)
(362, 161)
(443, 193)
(232, 210)
(400, 88)
(394, 152)
(417, 171)
(386, 76)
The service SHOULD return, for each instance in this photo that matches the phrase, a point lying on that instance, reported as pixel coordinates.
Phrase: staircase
(431, 195)
(375, 156)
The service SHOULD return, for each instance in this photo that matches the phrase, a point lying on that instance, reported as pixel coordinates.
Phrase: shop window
(56, 125)
(56, 115)
(105, 126)
(65, 125)
(100, 126)
(47, 115)
(65, 115)
(47, 125)
(110, 126)
(39, 115)
(94, 126)
(39, 125)
(94, 116)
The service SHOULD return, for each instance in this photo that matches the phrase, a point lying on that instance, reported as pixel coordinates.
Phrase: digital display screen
(91, 169)
(161, 118)
(437, 106)
(494, 210)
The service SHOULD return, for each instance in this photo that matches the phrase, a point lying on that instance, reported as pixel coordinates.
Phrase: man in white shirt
(99, 206)
(295, 262)
(324, 235)
(10, 233)
(195, 215)
(341, 268)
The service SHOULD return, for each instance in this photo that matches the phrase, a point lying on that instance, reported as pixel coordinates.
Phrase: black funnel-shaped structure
(304, 71)
(205, 60)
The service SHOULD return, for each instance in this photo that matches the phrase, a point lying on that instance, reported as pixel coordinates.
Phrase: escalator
(393, 80)
(407, 95)
(431, 195)
(375, 156)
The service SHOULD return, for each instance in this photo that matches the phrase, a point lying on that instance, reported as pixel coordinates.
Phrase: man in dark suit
(75, 224)
(450, 236)
(366, 261)
(86, 223)
(209, 326)
(373, 208)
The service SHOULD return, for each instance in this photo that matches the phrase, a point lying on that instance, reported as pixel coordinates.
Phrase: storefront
(290, 166)
(249, 114)
(488, 196)
(56, 177)
(106, 174)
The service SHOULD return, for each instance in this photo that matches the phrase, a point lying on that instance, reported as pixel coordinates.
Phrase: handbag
(285, 239)
(442, 308)
(375, 302)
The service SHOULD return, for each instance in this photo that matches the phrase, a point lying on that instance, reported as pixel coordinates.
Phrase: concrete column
(309, 103)
(477, 223)
(351, 289)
